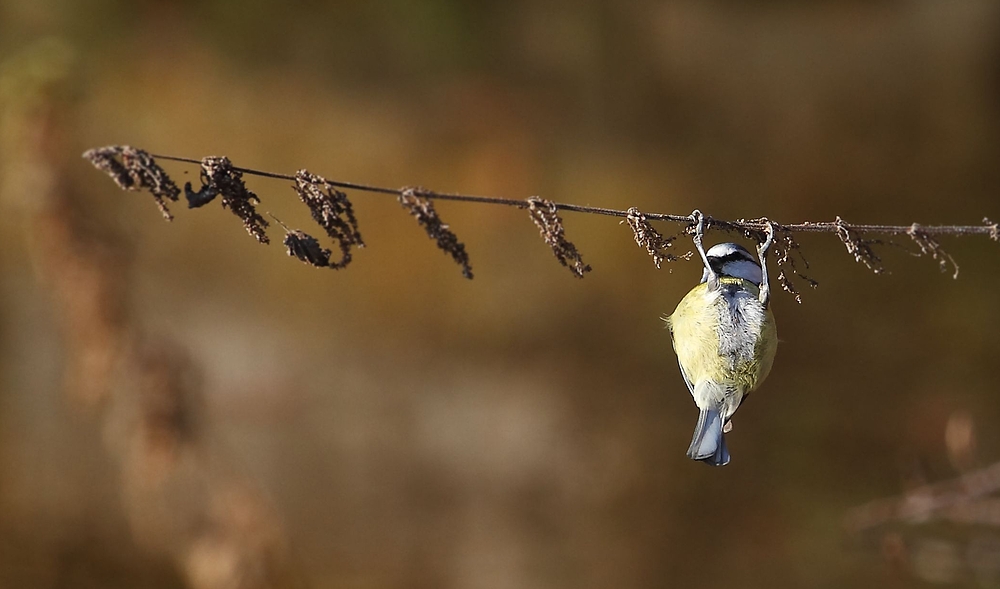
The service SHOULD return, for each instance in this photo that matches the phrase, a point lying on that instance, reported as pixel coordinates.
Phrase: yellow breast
(699, 343)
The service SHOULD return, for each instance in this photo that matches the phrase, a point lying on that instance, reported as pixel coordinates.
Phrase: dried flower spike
(332, 211)
(930, 246)
(306, 248)
(136, 170)
(785, 249)
(427, 217)
(303, 246)
(649, 238)
(858, 247)
(218, 176)
(103, 158)
(545, 215)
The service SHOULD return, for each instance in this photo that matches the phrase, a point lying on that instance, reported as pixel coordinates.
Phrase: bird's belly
(717, 338)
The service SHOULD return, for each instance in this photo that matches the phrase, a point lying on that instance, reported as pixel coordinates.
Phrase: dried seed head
(103, 158)
(332, 211)
(930, 246)
(649, 238)
(136, 170)
(148, 174)
(785, 249)
(305, 247)
(427, 217)
(545, 215)
(218, 176)
(858, 247)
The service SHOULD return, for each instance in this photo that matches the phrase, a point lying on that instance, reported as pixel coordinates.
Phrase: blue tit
(725, 339)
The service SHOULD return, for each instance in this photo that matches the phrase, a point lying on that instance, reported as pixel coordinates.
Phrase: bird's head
(733, 260)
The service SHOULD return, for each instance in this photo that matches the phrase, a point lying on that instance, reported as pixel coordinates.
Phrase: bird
(725, 338)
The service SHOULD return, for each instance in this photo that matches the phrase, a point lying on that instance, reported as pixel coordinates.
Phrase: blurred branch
(217, 528)
(137, 169)
(943, 531)
(959, 499)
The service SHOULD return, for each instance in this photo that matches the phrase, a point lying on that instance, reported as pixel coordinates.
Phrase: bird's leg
(765, 287)
(699, 230)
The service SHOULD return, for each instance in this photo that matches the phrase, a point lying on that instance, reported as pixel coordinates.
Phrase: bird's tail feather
(708, 443)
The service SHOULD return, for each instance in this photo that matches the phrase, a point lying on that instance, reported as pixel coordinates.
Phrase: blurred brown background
(394, 425)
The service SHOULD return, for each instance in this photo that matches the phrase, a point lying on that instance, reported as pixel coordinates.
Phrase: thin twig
(332, 210)
(988, 228)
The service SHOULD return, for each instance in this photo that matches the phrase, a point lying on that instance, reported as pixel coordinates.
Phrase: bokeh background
(182, 407)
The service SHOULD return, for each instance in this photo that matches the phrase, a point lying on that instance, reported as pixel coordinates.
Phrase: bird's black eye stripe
(732, 257)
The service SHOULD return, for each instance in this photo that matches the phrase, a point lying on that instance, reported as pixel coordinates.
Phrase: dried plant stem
(988, 228)
(332, 210)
